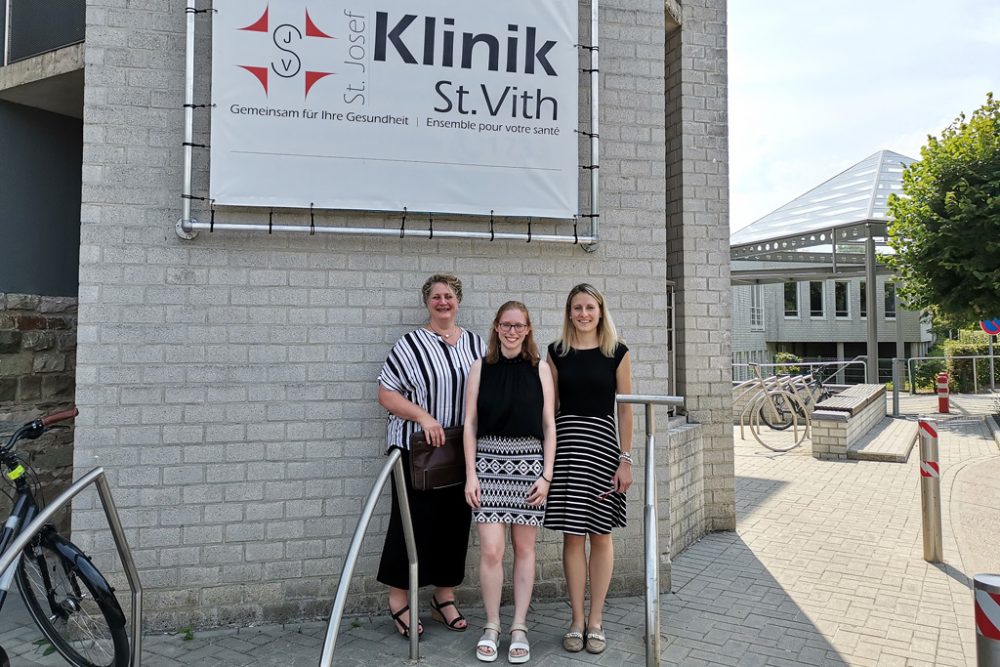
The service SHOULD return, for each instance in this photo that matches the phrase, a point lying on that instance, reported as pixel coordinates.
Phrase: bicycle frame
(21, 514)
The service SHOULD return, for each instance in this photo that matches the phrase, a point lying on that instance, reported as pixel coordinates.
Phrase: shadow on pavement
(726, 608)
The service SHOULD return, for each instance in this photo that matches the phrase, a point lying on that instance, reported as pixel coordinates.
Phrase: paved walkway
(825, 568)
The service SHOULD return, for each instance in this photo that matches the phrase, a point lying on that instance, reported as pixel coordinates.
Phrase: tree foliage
(945, 229)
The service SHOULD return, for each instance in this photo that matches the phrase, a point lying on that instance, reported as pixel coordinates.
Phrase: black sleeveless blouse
(510, 399)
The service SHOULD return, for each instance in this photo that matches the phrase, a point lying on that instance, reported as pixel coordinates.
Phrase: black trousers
(441, 522)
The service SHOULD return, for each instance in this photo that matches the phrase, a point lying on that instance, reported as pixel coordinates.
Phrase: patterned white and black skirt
(507, 467)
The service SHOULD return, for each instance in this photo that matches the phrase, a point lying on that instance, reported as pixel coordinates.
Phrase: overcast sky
(816, 86)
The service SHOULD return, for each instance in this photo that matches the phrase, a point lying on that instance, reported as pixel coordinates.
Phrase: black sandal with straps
(401, 626)
(438, 615)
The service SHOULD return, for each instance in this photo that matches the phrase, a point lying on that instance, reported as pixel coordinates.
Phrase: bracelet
(545, 478)
(625, 457)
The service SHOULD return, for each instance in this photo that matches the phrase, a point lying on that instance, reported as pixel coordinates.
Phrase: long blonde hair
(529, 350)
(607, 334)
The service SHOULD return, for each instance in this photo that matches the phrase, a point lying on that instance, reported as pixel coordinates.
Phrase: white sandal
(514, 646)
(486, 642)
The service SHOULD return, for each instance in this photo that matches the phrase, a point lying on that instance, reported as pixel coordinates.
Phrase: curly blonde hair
(453, 283)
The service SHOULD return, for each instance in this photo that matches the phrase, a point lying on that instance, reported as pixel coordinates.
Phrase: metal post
(930, 491)
(975, 377)
(986, 594)
(394, 464)
(873, 309)
(652, 555)
(993, 374)
(896, 378)
(5, 56)
(411, 555)
(650, 528)
(131, 571)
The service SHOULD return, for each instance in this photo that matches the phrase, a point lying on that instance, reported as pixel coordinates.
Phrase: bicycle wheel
(777, 416)
(72, 603)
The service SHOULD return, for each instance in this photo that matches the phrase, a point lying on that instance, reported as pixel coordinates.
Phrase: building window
(791, 299)
(890, 301)
(841, 299)
(756, 308)
(816, 308)
(864, 300)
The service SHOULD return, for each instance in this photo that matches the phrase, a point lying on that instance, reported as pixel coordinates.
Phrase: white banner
(438, 105)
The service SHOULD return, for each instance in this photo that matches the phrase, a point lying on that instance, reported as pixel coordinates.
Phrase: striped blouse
(432, 374)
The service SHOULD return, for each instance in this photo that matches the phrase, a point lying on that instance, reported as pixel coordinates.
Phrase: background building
(227, 382)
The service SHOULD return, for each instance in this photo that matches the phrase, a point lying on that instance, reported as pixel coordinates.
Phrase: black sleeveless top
(510, 399)
(588, 380)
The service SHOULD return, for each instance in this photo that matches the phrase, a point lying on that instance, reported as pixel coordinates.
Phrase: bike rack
(394, 464)
(649, 521)
(97, 478)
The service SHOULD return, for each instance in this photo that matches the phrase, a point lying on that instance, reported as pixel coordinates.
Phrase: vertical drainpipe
(188, 121)
(595, 122)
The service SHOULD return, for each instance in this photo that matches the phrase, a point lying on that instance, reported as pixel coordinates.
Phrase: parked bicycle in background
(68, 598)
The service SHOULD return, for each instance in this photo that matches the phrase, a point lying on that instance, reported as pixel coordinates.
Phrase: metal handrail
(96, 477)
(841, 364)
(394, 464)
(649, 521)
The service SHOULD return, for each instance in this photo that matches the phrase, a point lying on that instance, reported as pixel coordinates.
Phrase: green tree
(945, 229)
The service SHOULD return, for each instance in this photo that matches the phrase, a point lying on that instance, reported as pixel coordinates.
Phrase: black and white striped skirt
(507, 467)
(586, 459)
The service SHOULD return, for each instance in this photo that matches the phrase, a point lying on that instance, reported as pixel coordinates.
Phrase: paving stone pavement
(825, 568)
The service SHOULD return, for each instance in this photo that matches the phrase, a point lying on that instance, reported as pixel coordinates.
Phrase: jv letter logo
(288, 39)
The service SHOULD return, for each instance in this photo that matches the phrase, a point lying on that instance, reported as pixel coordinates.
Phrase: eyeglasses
(507, 327)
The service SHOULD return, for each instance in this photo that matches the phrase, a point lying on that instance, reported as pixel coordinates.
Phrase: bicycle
(68, 598)
(808, 389)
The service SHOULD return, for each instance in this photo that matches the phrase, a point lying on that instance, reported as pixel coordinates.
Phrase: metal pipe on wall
(192, 226)
(595, 121)
(188, 111)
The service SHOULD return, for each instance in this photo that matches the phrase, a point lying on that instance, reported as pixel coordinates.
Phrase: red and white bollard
(930, 490)
(942, 392)
(986, 589)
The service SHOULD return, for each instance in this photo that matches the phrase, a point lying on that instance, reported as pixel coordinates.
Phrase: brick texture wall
(37, 365)
(228, 383)
(697, 185)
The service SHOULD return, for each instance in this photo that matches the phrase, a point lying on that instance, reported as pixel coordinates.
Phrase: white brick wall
(227, 384)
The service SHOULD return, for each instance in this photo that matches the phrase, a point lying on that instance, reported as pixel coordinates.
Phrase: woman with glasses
(510, 439)
(593, 470)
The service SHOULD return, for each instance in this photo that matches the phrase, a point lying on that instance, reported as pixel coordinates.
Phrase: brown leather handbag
(434, 468)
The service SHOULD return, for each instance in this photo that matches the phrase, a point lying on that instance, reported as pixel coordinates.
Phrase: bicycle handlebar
(36, 427)
(56, 417)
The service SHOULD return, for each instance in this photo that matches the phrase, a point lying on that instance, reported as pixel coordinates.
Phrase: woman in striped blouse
(422, 385)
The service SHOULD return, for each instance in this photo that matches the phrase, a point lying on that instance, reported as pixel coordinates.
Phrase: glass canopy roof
(856, 195)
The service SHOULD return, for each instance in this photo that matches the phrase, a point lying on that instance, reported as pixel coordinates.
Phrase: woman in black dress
(589, 364)
(510, 439)
(422, 385)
